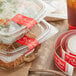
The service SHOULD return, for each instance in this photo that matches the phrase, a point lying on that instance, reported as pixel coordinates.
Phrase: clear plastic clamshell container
(34, 9)
(13, 55)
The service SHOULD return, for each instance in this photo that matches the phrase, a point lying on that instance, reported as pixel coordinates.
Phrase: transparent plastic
(35, 9)
(9, 57)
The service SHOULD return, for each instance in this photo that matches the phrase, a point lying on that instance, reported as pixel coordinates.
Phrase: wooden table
(46, 52)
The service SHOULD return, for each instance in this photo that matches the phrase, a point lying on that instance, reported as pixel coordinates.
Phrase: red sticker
(30, 42)
(70, 59)
(23, 20)
(59, 62)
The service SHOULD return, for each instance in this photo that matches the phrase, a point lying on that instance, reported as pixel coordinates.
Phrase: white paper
(59, 8)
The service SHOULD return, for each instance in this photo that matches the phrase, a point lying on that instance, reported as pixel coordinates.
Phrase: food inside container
(11, 56)
(21, 15)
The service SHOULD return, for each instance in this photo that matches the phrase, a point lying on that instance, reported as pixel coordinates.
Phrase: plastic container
(12, 58)
(34, 9)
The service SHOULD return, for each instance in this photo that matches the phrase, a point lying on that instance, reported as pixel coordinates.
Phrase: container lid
(72, 44)
(32, 9)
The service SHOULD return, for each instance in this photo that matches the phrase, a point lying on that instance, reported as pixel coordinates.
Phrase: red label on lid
(23, 20)
(30, 42)
(70, 59)
(60, 63)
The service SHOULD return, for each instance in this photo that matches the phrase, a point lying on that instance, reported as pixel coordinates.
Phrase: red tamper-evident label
(70, 59)
(30, 42)
(59, 62)
(23, 20)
